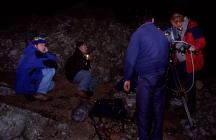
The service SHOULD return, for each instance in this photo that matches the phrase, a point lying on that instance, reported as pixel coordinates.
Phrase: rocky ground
(106, 39)
(22, 119)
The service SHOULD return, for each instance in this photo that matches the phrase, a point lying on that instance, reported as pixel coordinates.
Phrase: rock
(16, 122)
(62, 126)
(199, 84)
(81, 112)
(207, 94)
(202, 131)
(126, 136)
(82, 131)
(5, 89)
(20, 138)
(13, 52)
(213, 131)
(12, 122)
(34, 125)
(115, 136)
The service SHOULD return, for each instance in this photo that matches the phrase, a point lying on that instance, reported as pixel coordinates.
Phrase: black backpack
(109, 108)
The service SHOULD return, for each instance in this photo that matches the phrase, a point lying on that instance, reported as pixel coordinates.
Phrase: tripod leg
(187, 111)
(192, 125)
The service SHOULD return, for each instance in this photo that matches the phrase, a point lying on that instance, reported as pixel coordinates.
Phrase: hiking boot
(89, 93)
(29, 97)
(83, 94)
(40, 97)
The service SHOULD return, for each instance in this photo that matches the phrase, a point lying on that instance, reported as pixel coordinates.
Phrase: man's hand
(127, 86)
(192, 48)
(45, 50)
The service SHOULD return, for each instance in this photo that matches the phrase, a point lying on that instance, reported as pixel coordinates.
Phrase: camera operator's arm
(195, 37)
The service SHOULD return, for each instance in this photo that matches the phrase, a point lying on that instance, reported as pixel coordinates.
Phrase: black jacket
(75, 63)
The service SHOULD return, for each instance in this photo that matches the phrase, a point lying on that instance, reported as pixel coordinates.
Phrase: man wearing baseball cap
(36, 69)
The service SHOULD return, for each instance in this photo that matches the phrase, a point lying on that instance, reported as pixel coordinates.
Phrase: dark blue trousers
(150, 105)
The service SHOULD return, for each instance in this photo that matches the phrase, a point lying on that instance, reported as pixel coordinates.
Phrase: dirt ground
(64, 100)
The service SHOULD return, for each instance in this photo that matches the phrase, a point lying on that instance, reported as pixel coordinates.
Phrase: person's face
(177, 20)
(41, 47)
(176, 23)
(84, 49)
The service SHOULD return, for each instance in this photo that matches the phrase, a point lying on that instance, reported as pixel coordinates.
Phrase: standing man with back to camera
(147, 54)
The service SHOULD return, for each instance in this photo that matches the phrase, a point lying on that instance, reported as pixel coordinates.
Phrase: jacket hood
(30, 48)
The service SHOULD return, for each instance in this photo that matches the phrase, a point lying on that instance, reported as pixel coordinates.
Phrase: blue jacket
(29, 69)
(148, 51)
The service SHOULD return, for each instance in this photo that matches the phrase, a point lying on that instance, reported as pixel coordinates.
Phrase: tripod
(180, 90)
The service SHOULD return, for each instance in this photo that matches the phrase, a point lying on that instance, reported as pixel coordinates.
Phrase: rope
(193, 72)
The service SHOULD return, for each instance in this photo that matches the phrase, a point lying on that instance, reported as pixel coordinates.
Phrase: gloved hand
(192, 48)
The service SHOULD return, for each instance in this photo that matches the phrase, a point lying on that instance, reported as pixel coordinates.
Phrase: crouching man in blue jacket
(147, 54)
(36, 69)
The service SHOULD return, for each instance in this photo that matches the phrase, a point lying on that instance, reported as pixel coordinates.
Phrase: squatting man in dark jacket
(147, 55)
(36, 69)
(78, 70)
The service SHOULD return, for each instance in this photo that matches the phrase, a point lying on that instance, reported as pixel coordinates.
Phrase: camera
(173, 34)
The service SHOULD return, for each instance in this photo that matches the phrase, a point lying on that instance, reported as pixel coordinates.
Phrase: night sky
(12, 12)
(119, 8)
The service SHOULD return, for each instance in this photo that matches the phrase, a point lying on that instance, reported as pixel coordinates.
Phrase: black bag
(110, 108)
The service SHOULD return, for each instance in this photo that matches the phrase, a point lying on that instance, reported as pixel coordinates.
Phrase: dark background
(13, 12)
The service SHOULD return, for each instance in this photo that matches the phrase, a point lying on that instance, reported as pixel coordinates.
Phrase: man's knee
(52, 71)
(49, 72)
(87, 74)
